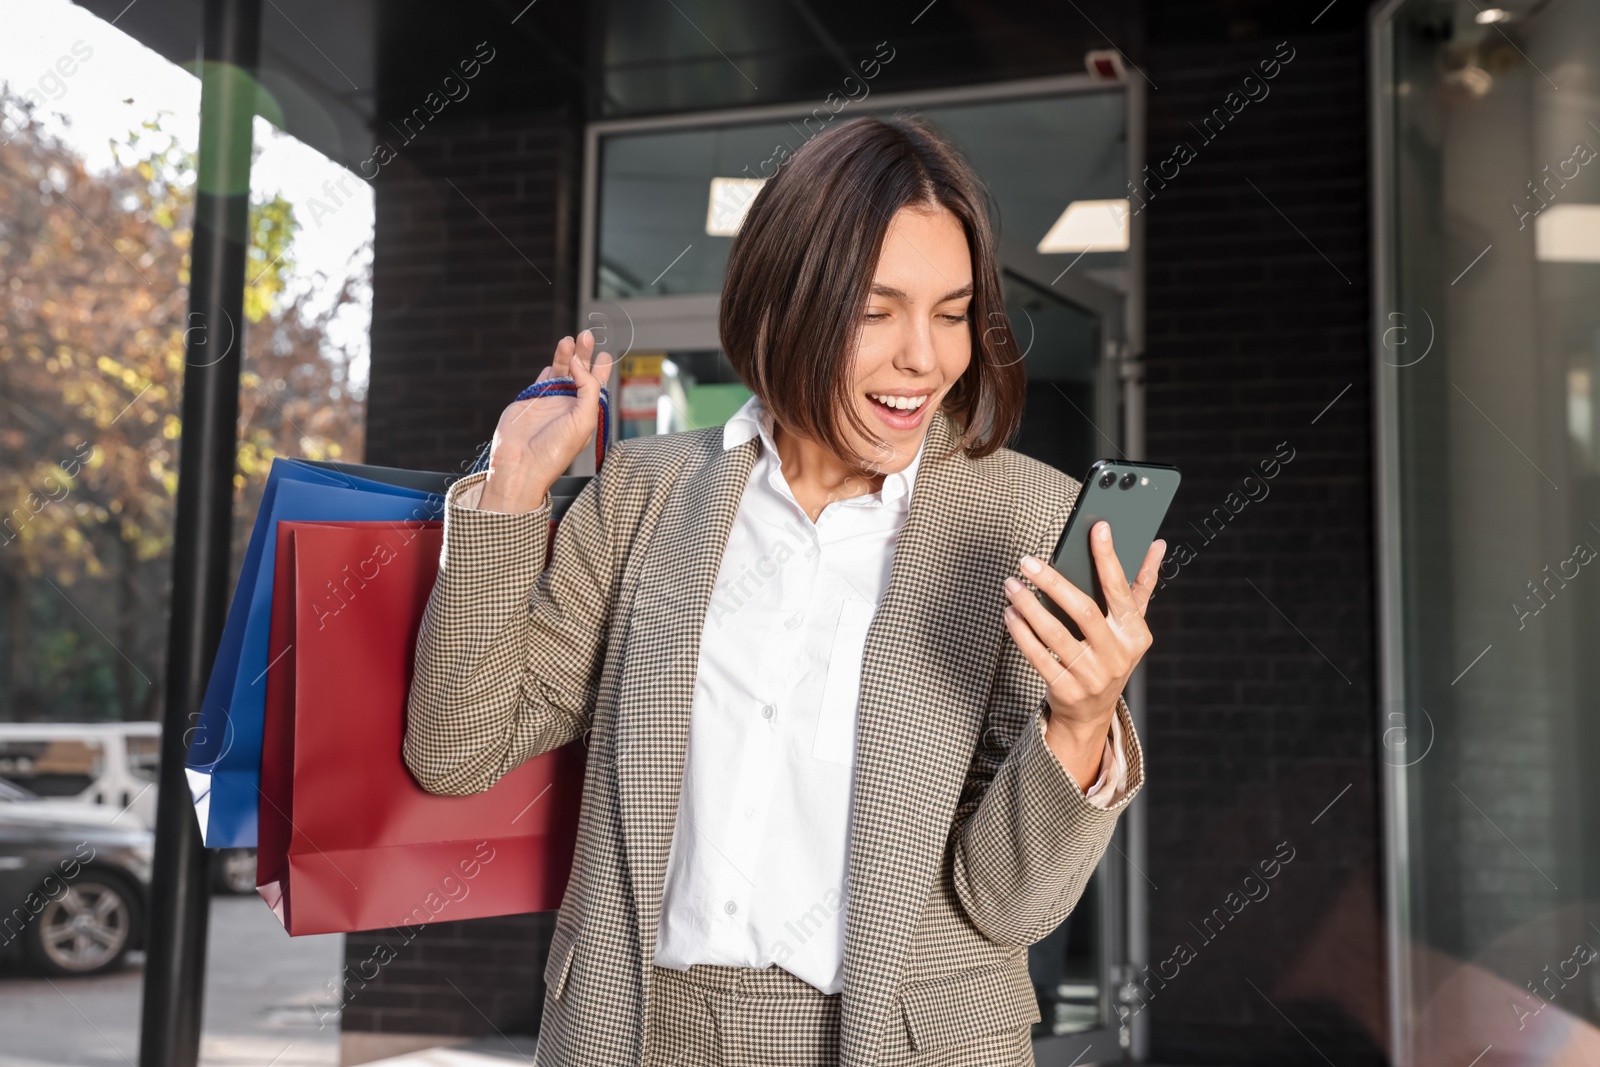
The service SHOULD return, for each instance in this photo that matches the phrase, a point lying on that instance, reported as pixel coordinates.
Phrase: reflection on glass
(1060, 342)
(699, 389)
(670, 200)
(1491, 363)
(1066, 968)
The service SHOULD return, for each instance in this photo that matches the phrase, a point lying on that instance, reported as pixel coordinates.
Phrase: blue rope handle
(560, 387)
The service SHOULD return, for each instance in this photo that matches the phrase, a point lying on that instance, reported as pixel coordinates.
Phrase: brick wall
(1261, 685)
(473, 279)
(494, 967)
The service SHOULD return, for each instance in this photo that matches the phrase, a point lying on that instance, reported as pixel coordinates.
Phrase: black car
(74, 882)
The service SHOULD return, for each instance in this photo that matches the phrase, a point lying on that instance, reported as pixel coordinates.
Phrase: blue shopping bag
(224, 764)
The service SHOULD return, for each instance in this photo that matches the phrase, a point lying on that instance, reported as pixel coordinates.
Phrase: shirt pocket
(836, 716)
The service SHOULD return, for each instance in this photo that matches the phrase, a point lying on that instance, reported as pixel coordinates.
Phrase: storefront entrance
(663, 199)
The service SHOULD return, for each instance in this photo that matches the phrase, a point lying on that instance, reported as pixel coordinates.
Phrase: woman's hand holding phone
(1083, 678)
(537, 440)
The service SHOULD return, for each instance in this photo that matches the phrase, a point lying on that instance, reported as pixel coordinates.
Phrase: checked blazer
(968, 839)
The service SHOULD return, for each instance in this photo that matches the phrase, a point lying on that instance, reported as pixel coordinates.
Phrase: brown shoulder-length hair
(800, 272)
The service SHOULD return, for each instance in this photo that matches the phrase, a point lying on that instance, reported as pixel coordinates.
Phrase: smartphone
(1133, 498)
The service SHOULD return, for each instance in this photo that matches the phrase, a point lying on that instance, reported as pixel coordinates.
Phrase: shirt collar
(754, 420)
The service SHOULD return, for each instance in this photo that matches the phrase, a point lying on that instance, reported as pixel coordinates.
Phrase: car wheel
(236, 870)
(86, 930)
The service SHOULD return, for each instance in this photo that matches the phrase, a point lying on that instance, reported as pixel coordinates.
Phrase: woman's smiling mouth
(900, 411)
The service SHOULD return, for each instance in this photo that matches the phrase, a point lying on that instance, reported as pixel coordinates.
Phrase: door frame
(654, 323)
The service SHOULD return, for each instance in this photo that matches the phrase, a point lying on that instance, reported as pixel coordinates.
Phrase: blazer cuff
(1121, 768)
(501, 543)
(1113, 780)
(468, 492)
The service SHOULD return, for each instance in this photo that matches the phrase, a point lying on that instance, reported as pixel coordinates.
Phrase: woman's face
(915, 341)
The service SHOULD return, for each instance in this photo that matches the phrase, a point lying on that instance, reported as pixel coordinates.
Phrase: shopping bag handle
(559, 387)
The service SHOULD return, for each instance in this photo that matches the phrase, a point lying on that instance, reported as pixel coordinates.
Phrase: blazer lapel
(925, 678)
(663, 651)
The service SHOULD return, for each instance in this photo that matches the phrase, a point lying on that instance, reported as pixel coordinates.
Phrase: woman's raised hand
(536, 440)
(1083, 678)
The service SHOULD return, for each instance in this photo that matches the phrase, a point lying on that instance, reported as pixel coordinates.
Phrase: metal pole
(174, 978)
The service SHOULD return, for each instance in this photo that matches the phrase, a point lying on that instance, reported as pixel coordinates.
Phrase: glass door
(662, 204)
(1487, 346)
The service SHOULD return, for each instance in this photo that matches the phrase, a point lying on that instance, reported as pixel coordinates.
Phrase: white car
(110, 766)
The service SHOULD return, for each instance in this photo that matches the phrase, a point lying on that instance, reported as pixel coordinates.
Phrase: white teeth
(902, 403)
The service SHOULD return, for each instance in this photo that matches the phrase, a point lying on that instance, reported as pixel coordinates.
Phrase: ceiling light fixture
(730, 199)
(1491, 15)
(1567, 233)
(1089, 226)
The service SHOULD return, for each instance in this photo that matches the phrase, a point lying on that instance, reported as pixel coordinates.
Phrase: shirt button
(767, 711)
(749, 813)
(794, 620)
(730, 907)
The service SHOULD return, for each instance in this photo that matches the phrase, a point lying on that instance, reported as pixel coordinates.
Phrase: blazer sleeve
(1026, 838)
(509, 652)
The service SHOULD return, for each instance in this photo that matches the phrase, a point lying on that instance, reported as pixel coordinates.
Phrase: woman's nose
(916, 349)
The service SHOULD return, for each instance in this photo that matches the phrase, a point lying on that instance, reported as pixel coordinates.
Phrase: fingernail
(585, 335)
(1102, 529)
(1031, 565)
(1013, 586)
(1010, 613)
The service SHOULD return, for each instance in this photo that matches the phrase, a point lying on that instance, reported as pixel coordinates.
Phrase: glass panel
(98, 137)
(665, 228)
(1062, 346)
(1068, 966)
(92, 257)
(701, 389)
(1491, 352)
(1041, 156)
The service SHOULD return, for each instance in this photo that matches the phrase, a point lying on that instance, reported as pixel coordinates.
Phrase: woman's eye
(962, 317)
(875, 316)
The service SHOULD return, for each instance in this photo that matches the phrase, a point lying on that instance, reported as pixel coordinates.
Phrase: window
(61, 767)
(144, 756)
(1488, 344)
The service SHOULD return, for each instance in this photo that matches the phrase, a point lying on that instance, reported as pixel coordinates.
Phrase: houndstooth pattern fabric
(968, 841)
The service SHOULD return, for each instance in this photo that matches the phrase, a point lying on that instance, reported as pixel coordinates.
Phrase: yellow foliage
(92, 372)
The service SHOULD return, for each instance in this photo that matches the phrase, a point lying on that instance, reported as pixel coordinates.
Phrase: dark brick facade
(1261, 685)
(473, 278)
(496, 966)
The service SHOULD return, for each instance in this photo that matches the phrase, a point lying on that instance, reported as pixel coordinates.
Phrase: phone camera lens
(1108, 479)
(1129, 480)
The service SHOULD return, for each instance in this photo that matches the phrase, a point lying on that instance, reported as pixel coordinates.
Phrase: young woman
(843, 766)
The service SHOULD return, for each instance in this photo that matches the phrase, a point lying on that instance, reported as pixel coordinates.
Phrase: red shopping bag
(348, 840)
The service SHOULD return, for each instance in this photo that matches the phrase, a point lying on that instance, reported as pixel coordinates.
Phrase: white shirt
(756, 871)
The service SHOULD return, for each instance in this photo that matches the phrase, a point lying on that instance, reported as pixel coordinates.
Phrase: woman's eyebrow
(892, 293)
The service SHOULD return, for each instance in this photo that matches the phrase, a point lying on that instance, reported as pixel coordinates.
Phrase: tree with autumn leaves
(94, 271)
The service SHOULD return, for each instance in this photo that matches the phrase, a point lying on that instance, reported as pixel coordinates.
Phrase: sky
(117, 84)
